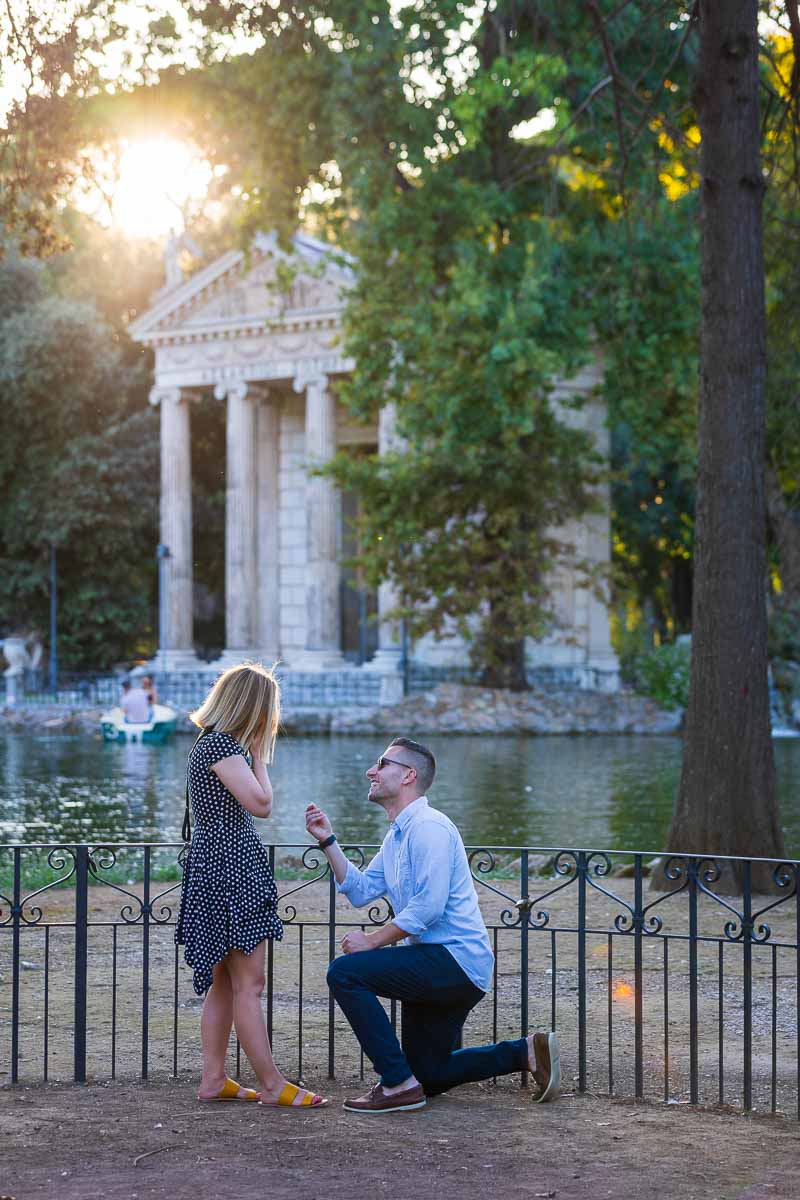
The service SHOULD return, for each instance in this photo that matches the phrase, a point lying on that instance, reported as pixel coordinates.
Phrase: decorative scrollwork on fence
(57, 859)
(707, 872)
(159, 912)
(483, 862)
(784, 875)
(511, 918)
(314, 860)
(565, 865)
(597, 866)
(104, 858)
(376, 915)
(674, 869)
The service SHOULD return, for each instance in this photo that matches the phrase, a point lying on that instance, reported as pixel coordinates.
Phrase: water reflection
(600, 791)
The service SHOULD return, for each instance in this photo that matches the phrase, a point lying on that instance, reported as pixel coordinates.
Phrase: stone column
(388, 657)
(177, 650)
(592, 535)
(597, 525)
(323, 615)
(267, 508)
(240, 524)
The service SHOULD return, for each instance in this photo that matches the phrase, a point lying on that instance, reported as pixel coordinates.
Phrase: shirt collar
(402, 818)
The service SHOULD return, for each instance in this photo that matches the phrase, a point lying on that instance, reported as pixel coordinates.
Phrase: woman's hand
(317, 823)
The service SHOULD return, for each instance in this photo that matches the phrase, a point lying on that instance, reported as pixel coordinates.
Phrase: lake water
(612, 792)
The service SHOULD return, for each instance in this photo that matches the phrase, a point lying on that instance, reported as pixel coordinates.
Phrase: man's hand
(356, 940)
(317, 823)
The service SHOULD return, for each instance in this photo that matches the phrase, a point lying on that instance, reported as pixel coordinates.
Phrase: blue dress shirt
(422, 868)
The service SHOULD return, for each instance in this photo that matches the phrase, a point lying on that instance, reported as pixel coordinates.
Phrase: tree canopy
(518, 185)
(78, 469)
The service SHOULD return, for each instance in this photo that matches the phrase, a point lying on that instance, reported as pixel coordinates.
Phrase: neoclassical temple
(271, 359)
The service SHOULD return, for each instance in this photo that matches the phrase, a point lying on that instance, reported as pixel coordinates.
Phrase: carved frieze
(251, 357)
(233, 298)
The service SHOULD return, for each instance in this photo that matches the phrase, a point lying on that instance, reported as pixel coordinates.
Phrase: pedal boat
(153, 732)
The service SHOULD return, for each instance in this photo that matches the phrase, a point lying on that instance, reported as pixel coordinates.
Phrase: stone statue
(174, 248)
(15, 651)
(22, 651)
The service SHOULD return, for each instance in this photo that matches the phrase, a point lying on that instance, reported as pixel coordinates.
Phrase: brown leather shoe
(546, 1067)
(377, 1101)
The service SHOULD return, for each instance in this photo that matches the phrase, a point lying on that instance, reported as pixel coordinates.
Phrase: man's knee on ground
(433, 1082)
(424, 1067)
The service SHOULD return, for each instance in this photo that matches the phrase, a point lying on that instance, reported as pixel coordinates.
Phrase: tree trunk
(507, 668)
(501, 659)
(726, 800)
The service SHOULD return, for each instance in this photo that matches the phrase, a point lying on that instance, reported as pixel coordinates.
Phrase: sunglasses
(384, 761)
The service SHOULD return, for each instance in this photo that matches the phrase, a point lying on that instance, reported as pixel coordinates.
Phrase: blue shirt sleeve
(429, 851)
(362, 887)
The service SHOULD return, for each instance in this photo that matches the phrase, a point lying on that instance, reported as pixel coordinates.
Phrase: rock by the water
(460, 708)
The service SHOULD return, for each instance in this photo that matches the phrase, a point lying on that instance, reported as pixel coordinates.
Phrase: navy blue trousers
(436, 997)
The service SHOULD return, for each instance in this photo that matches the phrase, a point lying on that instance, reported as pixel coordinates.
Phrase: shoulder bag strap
(186, 829)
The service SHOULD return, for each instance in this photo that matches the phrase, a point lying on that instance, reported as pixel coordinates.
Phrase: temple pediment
(242, 292)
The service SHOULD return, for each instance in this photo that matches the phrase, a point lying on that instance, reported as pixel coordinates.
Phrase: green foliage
(783, 634)
(78, 470)
(632, 640)
(49, 54)
(663, 674)
(485, 266)
(466, 301)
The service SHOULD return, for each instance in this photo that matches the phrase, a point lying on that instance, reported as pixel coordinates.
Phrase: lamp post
(162, 554)
(405, 665)
(53, 620)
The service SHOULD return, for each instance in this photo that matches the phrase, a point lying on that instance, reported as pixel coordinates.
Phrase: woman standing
(229, 902)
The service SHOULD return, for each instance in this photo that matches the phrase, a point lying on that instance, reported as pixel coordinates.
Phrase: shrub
(663, 674)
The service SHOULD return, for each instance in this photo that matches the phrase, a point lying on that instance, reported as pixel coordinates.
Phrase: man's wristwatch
(327, 842)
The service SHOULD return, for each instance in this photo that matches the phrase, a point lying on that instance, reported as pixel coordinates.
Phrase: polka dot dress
(228, 898)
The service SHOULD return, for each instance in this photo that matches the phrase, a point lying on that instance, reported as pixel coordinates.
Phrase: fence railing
(186, 690)
(682, 996)
(351, 686)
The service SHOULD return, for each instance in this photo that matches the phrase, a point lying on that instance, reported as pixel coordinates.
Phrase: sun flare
(156, 180)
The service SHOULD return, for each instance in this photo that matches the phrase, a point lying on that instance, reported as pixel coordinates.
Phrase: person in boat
(150, 690)
(445, 963)
(134, 704)
(229, 903)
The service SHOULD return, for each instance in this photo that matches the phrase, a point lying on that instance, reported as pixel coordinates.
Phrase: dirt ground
(126, 1139)
(154, 1142)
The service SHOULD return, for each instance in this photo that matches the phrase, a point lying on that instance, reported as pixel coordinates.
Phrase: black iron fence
(185, 690)
(683, 995)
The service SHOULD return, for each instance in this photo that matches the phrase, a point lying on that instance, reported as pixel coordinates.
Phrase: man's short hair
(424, 763)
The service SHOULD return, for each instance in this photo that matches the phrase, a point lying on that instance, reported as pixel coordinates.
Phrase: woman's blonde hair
(246, 703)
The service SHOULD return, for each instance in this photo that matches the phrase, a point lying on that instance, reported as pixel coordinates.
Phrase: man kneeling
(445, 964)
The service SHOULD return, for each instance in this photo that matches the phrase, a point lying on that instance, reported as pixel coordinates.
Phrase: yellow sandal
(230, 1091)
(287, 1098)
